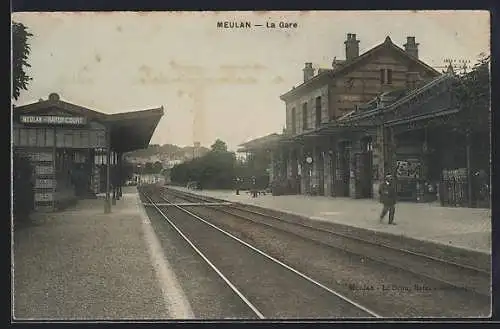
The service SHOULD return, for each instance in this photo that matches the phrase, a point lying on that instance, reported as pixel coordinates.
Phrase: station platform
(83, 264)
(465, 228)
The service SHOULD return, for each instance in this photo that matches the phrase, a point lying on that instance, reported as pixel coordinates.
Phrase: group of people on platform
(388, 194)
(253, 187)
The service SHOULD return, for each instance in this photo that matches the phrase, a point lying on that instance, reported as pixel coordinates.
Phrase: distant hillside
(169, 151)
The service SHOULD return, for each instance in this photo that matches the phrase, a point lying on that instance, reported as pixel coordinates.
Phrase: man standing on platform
(387, 192)
(238, 185)
(254, 186)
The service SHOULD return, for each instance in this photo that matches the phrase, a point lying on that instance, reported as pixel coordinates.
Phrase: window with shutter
(294, 121)
(304, 116)
(318, 111)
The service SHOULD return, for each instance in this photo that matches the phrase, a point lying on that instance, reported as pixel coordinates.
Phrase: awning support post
(113, 184)
(107, 201)
(120, 175)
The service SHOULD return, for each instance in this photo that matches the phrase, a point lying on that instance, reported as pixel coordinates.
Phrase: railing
(453, 190)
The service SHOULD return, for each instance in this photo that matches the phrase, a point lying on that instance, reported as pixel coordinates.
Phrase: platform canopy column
(114, 176)
(379, 159)
(107, 200)
(284, 163)
(329, 166)
(354, 160)
(293, 162)
(121, 173)
(275, 166)
(304, 170)
(318, 166)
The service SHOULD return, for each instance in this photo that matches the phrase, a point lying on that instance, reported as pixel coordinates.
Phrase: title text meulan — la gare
(247, 25)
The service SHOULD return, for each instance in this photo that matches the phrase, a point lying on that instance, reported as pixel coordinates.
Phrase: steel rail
(288, 267)
(198, 251)
(350, 237)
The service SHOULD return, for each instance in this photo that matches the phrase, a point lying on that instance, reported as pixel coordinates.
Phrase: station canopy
(261, 143)
(129, 130)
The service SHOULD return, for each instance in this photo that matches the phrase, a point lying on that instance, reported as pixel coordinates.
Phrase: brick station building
(383, 111)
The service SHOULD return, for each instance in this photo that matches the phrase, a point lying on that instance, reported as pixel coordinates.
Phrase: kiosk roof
(129, 130)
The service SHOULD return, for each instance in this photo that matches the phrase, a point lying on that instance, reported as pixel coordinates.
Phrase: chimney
(351, 47)
(411, 47)
(308, 71)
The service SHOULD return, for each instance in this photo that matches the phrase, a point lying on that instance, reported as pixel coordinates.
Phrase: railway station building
(76, 152)
(384, 111)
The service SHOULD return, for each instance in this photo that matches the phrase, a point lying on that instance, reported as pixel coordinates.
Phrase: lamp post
(107, 203)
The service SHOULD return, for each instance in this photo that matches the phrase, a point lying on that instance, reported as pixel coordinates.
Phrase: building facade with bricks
(369, 115)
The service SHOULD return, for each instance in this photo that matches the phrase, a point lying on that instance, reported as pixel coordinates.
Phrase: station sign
(44, 197)
(45, 183)
(53, 120)
(44, 170)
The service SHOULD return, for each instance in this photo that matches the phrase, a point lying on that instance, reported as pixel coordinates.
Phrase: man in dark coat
(387, 192)
(238, 185)
(254, 186)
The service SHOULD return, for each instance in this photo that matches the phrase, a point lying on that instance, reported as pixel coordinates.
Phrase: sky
(213, 82)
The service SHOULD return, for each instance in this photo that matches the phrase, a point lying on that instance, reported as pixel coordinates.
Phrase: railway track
(275, 289)
(440, 282)
(446, 272)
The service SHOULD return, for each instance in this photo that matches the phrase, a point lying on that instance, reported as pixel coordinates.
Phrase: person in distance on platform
(238, 185)
(387, 192)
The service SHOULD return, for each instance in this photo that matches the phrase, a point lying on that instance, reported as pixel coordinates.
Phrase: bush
(23, 194)
(218, 169)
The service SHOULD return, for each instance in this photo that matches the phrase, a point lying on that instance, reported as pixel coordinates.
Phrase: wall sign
(349, 98)
(52, 119)
(409, 168)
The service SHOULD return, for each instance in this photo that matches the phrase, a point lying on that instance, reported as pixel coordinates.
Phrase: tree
(148, 168)
(216, 169)
(23, 196)
(219, 146)
(20, 52)
(127, 171)
(157, 167)
(471, 92)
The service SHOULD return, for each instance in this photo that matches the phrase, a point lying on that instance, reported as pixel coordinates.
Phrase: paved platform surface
(466, 228)
(83, 264)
